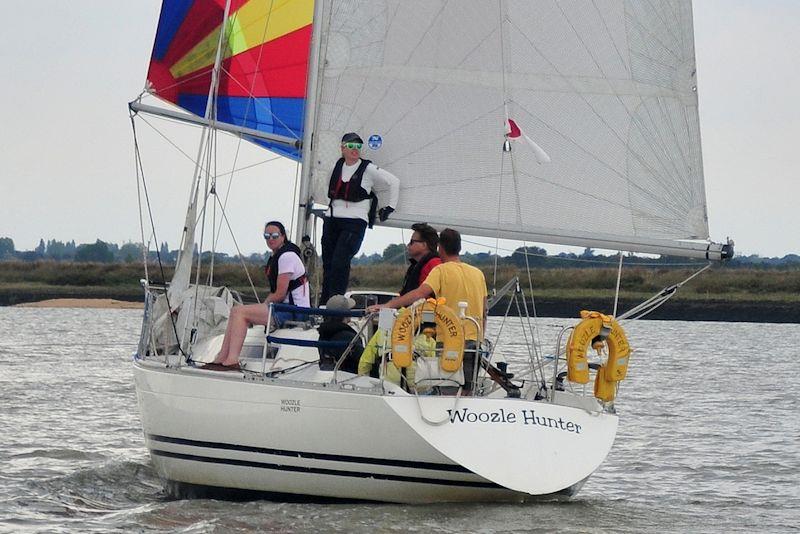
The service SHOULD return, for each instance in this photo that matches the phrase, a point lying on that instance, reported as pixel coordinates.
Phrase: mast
(183, 269)
(303, 199)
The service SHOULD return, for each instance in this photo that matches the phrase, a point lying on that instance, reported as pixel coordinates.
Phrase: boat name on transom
(524, 417)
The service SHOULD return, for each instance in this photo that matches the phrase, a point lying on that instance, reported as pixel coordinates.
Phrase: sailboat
(573, 123)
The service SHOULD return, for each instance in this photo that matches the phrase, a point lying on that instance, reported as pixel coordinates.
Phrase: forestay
(607, 88)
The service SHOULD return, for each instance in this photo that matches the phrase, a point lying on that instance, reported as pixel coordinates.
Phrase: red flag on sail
(513, 130)
(514, 133)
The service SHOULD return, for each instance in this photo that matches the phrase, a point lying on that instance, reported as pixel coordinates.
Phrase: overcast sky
(67, 152)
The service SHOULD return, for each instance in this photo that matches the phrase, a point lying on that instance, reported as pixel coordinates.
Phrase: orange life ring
(449, 330)
(593, 325)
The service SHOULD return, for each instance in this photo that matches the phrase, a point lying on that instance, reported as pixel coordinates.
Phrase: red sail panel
(277, 69)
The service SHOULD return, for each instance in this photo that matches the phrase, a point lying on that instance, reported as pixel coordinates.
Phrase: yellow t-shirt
(457, 282)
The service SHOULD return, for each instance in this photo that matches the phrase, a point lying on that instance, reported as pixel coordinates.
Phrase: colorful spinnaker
(264, 64)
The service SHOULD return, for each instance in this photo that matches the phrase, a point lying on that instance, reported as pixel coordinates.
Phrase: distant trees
(130, 252)
(6, 248)
(99, 251)
(536, 256)
(395, 254)
(163, 251)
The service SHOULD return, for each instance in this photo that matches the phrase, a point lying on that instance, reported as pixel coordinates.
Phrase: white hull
(226, 430)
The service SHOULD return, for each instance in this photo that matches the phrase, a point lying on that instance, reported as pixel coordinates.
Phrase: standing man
(353, 207)
(456, 282)
(421, 255)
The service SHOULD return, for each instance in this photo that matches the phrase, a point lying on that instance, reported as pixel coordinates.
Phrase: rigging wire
(616, 292)
(210, 160)
(140, 172)
(145, 248)
(648, 306)
(190, 158)
(535, 327)
(238, 250)
(500, 13)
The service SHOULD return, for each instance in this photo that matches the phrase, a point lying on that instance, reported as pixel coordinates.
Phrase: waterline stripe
(320, 471)
(312, 455)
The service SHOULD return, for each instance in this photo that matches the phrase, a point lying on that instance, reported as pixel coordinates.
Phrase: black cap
(352, 137)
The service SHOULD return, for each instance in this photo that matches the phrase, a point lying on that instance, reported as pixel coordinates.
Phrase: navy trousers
(341, 240)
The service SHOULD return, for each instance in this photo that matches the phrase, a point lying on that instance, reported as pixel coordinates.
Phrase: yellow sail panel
(255, 23)
(256, 26)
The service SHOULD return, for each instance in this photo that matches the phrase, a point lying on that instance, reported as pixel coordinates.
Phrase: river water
(709, 441)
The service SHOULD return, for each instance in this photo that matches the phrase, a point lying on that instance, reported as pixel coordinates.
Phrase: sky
(66, 148)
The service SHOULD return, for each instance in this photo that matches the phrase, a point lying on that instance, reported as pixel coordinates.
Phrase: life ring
(449, 331)
(592, 326)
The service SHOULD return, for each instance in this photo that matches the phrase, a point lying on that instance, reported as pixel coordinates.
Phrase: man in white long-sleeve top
(353, 207)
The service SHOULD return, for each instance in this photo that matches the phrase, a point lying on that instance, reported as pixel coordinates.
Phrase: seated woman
(287, 284)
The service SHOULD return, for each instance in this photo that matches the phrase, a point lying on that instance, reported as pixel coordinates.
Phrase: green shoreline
(751, 295)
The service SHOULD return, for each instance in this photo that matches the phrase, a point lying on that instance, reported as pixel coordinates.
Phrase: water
(709, 441)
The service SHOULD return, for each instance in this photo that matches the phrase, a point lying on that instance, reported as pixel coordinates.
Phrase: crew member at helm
(353, 207)
(422, 256)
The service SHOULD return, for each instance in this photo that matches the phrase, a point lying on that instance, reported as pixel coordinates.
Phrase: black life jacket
(411, 281)
(272, 269)
(352, 191)
(336, 330)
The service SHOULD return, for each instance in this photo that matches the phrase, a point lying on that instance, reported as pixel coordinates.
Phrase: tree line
(102, 252)
(394, 254)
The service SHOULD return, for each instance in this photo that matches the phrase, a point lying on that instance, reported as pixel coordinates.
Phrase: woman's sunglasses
(273, 235)
(351, 146)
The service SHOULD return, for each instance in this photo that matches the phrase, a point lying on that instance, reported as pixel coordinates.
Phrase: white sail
(605, 88)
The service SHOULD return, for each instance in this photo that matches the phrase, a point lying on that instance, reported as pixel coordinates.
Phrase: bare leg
(241, 317)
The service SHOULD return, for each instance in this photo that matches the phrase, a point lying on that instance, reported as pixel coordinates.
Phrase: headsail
(606, 89)
(263, 73)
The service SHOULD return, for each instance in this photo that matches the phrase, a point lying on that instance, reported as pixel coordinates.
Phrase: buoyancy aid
(352, 191)
(272, 270)
(411, 281)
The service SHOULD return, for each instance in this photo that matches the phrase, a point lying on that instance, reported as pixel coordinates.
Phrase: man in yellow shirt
(456, 282)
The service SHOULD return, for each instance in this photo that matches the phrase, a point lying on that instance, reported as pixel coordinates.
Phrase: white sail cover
(606, 88)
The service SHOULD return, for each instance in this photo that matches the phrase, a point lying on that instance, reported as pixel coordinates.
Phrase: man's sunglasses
(273, 235)
(351, 146)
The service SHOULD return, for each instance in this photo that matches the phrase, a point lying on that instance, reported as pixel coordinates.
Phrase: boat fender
(448, 328)
(596, 328)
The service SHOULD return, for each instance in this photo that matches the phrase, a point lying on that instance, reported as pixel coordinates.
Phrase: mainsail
(262, 79)
(605, 88)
